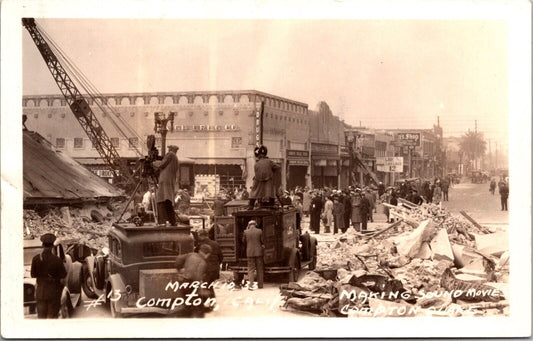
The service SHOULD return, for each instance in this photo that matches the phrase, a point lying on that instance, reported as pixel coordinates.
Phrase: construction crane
(79, 105)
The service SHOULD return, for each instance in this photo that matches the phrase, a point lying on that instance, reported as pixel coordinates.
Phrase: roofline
(181, 93)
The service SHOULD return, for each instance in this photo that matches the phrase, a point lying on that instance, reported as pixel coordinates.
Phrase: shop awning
(325, 157)
(220, 161)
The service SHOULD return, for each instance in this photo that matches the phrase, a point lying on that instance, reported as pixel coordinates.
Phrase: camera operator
(168, 171)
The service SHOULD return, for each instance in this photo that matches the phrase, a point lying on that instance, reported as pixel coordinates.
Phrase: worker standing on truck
(49, 271)
(255, 245)
(167, 186)
(263, 186)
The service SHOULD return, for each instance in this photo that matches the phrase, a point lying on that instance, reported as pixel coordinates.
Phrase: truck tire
(99, 276)
(87, 284)
(294, 264)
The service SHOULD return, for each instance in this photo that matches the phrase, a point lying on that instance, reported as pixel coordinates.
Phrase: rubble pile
(88, 225)
(430, 263)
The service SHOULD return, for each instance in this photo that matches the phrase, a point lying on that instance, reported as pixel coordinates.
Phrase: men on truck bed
(255, 245)
(263, 189)
(166, 186)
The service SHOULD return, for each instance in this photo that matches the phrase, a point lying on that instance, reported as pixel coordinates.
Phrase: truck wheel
(114, 312)
(87, 283)
(64, 310)
(294, 273)
(99, 277)
(313, 254)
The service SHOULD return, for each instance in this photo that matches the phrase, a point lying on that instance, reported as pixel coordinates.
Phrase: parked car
(71, 295)
(136, 267)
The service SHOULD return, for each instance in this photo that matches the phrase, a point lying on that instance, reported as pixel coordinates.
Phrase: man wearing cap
(192, 267)
(263, 186)
(49, 270)
(215, 257)
(253, 238)
(167, 186)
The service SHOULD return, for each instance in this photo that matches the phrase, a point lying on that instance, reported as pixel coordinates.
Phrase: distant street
(478, 202)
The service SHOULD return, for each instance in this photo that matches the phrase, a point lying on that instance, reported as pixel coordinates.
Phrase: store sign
(389, 164)
(206, 127)
(408, 139)
(297, 153)
(104, 173)
(321, 148)
(299, 162)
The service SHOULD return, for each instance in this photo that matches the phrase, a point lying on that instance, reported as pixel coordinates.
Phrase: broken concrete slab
(409, 244)
(494, 243)
(464, 255)
(440, 245)
(425, 251)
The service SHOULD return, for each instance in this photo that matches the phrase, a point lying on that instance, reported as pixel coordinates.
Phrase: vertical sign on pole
(259, 125)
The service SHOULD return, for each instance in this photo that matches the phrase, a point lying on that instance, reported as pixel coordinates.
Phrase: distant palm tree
(473, 145)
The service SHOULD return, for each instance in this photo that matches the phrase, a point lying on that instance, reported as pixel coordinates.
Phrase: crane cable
(90, 89)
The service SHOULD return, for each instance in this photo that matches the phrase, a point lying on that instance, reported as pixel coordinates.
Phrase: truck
(287, 250)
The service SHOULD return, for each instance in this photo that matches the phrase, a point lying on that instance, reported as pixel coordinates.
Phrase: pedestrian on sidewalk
(492, 187)
(356, 210)
(365, 209)
(445, 186)
(316, 210)
(504, 195)
(370, 197)
(437, 194)
(347, 202)
(328, 212)
(338, 213)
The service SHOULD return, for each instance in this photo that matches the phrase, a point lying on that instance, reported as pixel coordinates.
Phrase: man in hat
(263, 188)
(285, 199)
(49, 271)
(167, 186)
(192, 267)
(255, 245)
(214, 259)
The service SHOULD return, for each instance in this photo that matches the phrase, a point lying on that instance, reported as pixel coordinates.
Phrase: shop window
(60, 142)
(115, 142)
(78, 142)
(133, 142)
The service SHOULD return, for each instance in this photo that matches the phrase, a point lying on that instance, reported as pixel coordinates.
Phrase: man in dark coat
(445, 187)
(504, 195)
(381, 189)
(255, 245)
(167, 186)
(316, 210)
(347, 201)
(49, 271)
(193, 267)
(263, 186)
(214, 259)
(364, 210)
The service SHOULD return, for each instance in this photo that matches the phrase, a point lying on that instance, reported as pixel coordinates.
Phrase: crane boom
(78, 104)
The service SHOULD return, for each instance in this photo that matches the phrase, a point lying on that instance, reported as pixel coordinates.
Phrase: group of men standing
(336, 209)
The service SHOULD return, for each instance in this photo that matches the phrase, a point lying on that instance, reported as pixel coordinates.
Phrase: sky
(376, 73)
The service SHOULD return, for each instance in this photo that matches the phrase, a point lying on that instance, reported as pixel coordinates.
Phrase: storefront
(229, 171)
(325, 161)
(297, 168)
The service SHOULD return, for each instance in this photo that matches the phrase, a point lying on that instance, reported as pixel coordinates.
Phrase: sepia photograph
(254, 169)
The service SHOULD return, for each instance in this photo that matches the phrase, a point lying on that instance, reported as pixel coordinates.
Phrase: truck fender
(115, 283)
